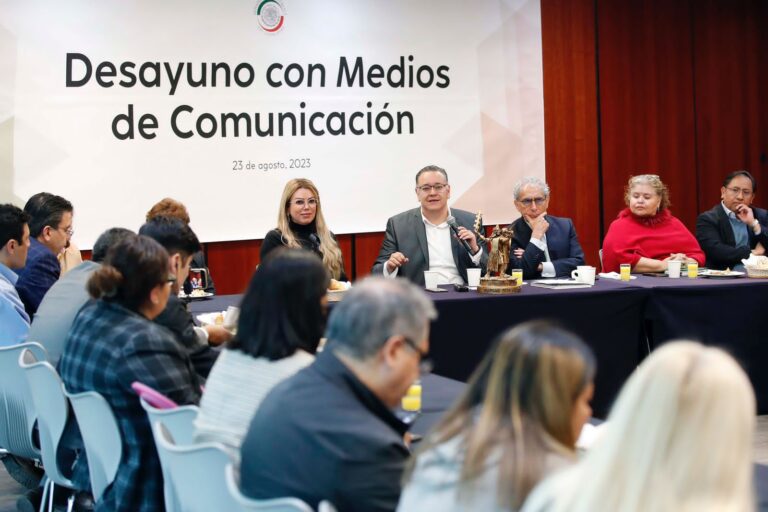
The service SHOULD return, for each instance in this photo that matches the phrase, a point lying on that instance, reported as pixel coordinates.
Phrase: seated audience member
(14, 243)
(60, 305)
(421, 239)
(113, 342)
(645, 234)
(282, 318)
(733, 229)
(517, 420)
(678, 438)
(172, 208)
(300, 224)
(50, 228)
(329, 432)
(181, 243)
(542, 245)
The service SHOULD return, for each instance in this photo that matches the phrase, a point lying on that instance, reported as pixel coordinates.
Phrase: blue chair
(53, 410)
(101, 437)
(246, 504)
(180, 423)
(198, 475)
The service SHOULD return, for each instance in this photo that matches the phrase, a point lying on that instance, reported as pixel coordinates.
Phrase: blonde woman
(679, 438)
(517, 421)
(300, 224)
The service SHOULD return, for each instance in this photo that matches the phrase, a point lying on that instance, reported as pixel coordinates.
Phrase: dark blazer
(562, 243)
(37, 276)
(407, 234)
(322, 434)
(715, 235)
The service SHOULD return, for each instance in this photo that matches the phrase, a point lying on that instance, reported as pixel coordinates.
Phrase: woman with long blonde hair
(679, 438)
(517, 421)
(300, 224)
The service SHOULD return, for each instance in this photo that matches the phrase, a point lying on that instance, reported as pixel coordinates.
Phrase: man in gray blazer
(422, 239)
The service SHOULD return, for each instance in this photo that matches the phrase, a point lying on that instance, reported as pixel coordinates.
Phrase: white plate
(205, 295)
(210, 318)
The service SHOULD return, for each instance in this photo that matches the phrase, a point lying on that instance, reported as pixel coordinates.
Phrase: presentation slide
(116, 104)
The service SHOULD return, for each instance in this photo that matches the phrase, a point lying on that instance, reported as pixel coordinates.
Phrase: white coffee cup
(673, 267)
(431, 279)
(584, 274)
(473, 277)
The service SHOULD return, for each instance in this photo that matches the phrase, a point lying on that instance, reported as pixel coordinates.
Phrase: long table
(609, 317)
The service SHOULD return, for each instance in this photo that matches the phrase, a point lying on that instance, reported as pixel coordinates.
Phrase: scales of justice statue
(496, 280)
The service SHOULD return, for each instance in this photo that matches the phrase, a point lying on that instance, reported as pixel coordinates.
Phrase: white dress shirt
(547, 268)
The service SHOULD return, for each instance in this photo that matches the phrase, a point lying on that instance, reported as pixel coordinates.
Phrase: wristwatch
(755, 223)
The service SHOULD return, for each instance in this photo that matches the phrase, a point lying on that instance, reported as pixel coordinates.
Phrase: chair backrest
(273, 505)
(196, 472)
(53, 410)
(153, 397)
(180, 424)
(101, 437)
(17, 411)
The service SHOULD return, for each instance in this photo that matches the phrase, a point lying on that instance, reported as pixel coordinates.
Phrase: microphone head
(451, 221)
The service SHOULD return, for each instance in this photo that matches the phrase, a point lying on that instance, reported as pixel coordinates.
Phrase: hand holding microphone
(465, 236)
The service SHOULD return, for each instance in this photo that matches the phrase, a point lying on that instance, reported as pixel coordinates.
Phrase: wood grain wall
(674, 88)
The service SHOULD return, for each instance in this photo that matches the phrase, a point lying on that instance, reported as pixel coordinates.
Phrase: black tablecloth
(609, 317)
(729, 313)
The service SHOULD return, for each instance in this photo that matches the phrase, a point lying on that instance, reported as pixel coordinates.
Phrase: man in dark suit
(421, 239)
(733, 230)
(328, 432)
(542, 245)
(50, 229)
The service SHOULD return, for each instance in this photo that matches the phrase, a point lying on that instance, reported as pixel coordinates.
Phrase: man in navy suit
(50, 229)
(542, 245)
(733, 229)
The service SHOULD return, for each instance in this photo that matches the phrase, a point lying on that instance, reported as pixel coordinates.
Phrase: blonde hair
(332, 260)
(519, 401)
(679, 438)
(655, 183)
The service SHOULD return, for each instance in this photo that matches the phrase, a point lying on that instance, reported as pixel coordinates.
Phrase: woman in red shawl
(645, 234)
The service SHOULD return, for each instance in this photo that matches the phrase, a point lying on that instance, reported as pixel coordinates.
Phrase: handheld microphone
(455, 228)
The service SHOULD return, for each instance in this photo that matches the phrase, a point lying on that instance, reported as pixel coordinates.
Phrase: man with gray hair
(542, 245)
(328, 432)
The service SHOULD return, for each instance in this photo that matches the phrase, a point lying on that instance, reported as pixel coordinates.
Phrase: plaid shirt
(107, 349)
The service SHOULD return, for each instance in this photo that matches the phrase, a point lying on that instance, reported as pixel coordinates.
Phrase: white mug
(431, 279)
(473, 277)
(584, 274)
(673, 267)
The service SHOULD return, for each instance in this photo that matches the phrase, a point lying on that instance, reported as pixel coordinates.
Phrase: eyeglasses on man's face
(425, 362)
(67, 231)
(301, 203)
(528, 201)
(739, 191)
(426, 189)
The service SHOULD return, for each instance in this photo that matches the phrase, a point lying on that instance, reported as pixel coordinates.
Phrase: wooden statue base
(499, 285)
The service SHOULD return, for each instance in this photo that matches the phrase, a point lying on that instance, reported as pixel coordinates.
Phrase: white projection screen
(224, 112)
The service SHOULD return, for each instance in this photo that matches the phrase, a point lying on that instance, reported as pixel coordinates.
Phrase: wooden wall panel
(646, 100)
(731, 68)
(345, 244)
(570, 116)
(232, 264)
(367, 246)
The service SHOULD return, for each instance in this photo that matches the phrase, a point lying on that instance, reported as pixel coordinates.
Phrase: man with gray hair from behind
(328, 432)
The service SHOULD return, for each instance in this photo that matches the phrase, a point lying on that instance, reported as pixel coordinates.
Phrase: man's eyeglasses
(68, 231)
(429, 188)
(425, 362)
(308, 202)
(736, 191)
(528, 201)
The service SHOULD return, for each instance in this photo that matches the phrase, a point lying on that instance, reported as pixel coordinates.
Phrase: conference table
(620, 321)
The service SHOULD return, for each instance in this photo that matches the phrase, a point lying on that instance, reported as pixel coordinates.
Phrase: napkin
(613, 275)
